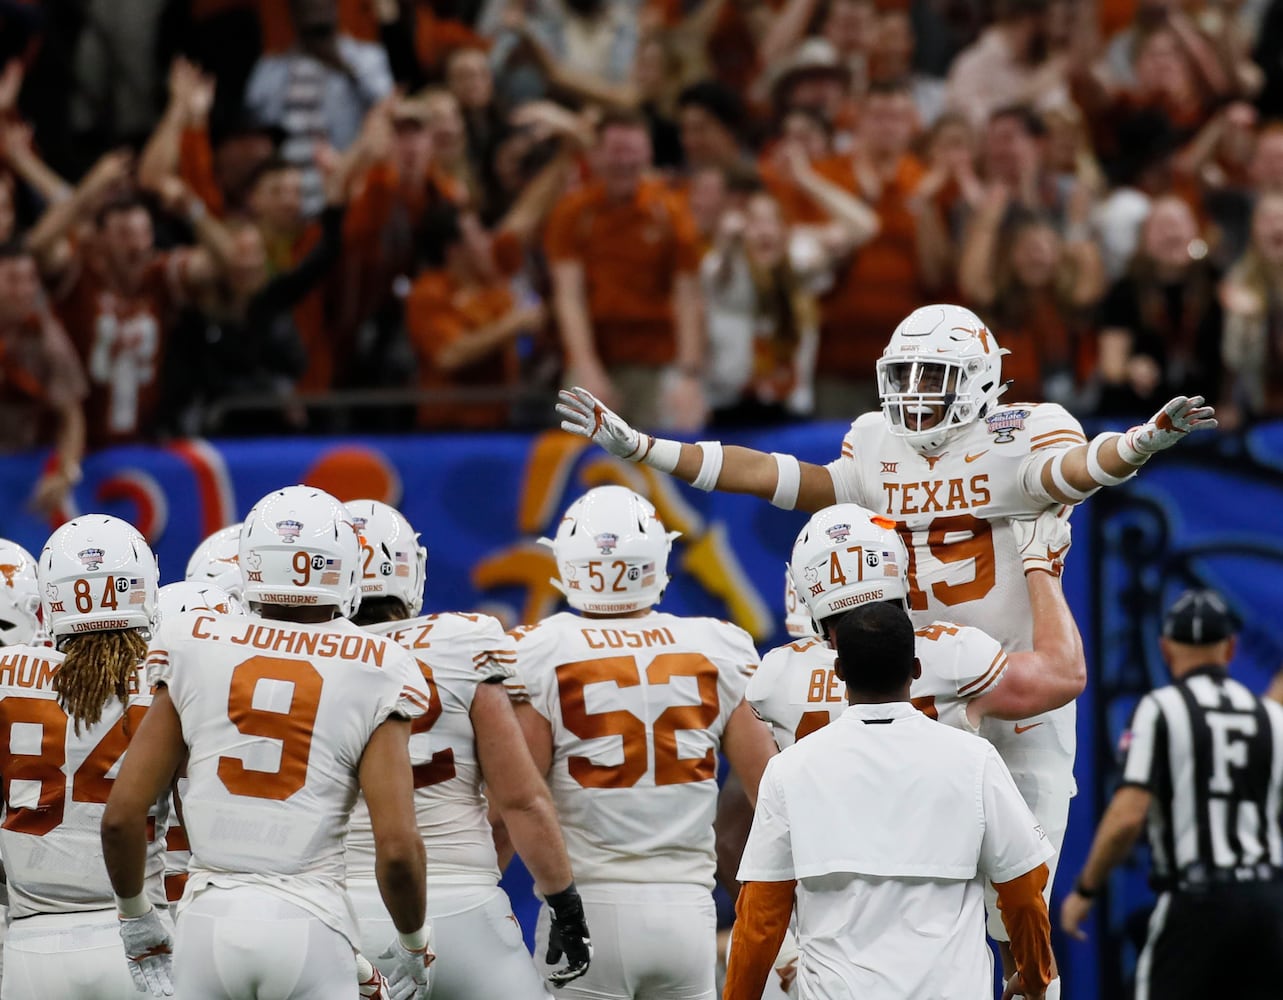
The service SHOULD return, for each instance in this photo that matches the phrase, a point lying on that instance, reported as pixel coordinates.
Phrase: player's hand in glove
(584, 414)
(1043, 541)
(567, 936)
(149, 950)
(370, 982)
(409, 979)
(1165, 428)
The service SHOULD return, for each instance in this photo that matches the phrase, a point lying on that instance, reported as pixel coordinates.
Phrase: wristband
(710, 467)
(1062, 484)
(132, 907)
(1128, 453)
(1094, 469)
(788, 471)
(417, 940)
(662, 454)
(1083, 891)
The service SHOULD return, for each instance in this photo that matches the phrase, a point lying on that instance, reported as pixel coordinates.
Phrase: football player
(20, 623)
(469, 737)
(216, 560)
(846, 556)
(67, 716)
(951, 466)
(172, 600)
(282, 718)
(625, 709)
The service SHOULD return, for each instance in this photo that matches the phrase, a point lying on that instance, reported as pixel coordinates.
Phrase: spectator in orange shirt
(625, 258)
(889, 276)
(42, 385)
(464, 322)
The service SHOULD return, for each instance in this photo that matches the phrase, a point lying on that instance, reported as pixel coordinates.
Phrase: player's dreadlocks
(96, 666)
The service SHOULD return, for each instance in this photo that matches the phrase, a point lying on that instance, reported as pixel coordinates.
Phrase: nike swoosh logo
(1024, 729)
(980, 454)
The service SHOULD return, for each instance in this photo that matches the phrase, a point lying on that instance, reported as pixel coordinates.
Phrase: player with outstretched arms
(626, 709)
(67, 716)
(281, 717)
(469, 737)
(951, 466)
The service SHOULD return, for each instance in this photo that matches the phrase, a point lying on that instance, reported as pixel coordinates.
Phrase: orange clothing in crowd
(631, 253)
(435, 38)
(441, 311)
(356, 18)
(121, 340)
(196, 168)
(880, 285)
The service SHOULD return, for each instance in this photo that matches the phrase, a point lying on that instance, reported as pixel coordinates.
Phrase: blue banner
(1210, 512)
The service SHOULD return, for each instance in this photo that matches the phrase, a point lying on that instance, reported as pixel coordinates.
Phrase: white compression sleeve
(710, 467)
(1062, 484)
(788, 481)
(1094, 468)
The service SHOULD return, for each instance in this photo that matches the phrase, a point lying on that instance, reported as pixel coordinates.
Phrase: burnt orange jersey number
(90, 782)
(440, 767)
(670, 769)
(292, 728)
(976, 544)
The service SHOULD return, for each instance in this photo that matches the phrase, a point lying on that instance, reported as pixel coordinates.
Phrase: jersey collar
(887, 712)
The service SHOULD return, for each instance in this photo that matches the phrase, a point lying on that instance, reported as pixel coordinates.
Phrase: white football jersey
(637, 708)
(455, 653)
(796, 690)
(276, 716)
(951, 510)
(56, 783)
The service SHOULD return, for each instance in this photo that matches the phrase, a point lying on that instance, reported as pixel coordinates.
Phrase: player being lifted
(67, 716)
(951, 466)
(281, 718)
(469, 736)
(627, 708)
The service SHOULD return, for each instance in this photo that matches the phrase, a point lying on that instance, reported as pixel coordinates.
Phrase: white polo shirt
(890, 822)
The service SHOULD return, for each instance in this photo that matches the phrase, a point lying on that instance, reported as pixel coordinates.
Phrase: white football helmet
(797, 618)
(611, 552)
(217, 560)
(190, 595)
(393, 563)
(941, 360)
(97, 574)
(298, 548)
(19, 596)
(846, 556)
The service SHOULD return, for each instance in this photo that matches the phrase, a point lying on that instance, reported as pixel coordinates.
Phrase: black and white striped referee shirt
(1211, 753)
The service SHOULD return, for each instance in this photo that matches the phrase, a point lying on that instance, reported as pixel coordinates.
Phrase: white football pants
(249, 944)
(650, 942)
(477, 940)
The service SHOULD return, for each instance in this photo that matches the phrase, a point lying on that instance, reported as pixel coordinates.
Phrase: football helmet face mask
(797, 618)
(846, 556)
(940, 371)
(298, 548)
(190, 595)
(217, 560)
(19, 596)
(611, 552)
(393, 563)
(97, 574)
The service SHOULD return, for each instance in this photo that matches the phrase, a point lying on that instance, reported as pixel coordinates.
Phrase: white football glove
(584, 414)
(370, 982)
(409, 979)
(1165, 428)
(1043, 541)
(149, 950)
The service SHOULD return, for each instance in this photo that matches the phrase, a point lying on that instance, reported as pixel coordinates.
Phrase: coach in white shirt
(883, 824)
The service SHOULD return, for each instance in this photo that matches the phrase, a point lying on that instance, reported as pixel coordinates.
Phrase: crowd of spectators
(280, 216)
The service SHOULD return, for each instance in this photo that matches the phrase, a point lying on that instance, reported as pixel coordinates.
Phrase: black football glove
(567, 936)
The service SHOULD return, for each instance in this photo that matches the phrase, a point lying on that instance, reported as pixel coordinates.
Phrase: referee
(1205, 764)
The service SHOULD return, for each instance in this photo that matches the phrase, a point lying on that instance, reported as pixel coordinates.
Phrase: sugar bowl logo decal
(289, 530)
(1004, 424)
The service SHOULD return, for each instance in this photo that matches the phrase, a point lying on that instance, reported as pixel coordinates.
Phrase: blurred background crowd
(235, 217)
